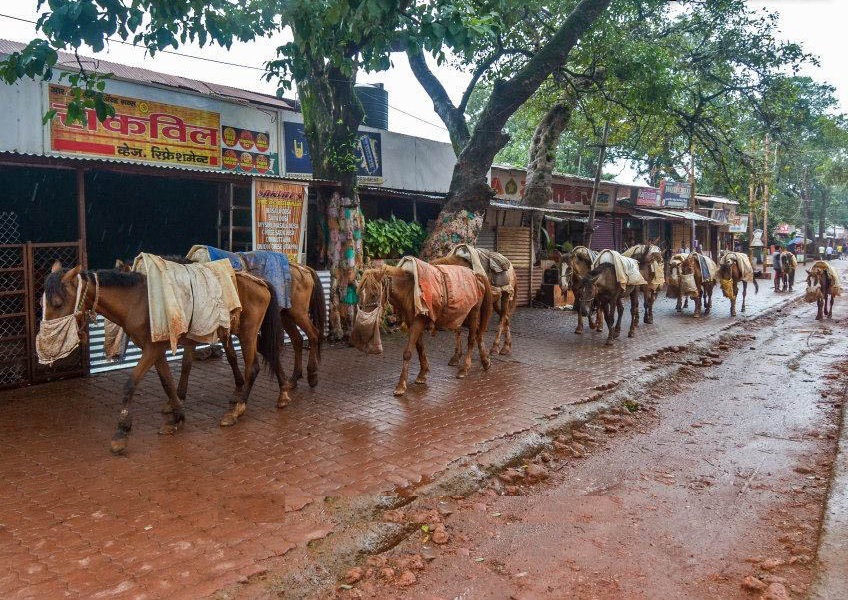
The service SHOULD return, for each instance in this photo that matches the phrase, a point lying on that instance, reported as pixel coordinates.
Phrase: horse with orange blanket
(425, 297)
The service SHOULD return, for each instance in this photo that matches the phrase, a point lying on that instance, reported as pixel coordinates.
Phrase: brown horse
(397, 287)
(651, 265)
(578, 264)
(733, 268)
(704, 282)
(788, 264)
(503, 295)
(601, 288)
(823, 287)
(121, 297)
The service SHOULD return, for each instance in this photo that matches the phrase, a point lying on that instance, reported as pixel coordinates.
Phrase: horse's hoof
(399, 392)
(118, 446)
(453, 362)
(312, 378)
(168, 429)
(420, 381)
(283, 401)
(231, 418)
(494, 349)
(487, 363)
(462, 373)
(505, 351)
(578, 332)
(608, 343)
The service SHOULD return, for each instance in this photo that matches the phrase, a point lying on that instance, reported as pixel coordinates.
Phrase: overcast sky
(818, 24)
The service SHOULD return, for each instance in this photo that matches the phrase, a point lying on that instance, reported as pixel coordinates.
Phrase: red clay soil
(713, 488)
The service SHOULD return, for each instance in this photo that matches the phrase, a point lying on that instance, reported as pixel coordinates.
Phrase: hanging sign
(140, 131)
(737, 224)
(247, 151)
(279, 217)
(368, 151)
(675, 194)
(783, 229)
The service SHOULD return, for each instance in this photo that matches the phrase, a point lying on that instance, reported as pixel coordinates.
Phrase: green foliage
(393, 238)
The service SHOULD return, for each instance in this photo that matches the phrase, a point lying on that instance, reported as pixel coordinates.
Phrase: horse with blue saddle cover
(299, 294)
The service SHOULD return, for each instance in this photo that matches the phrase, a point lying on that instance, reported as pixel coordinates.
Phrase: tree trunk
(543, 151)
(593, 206)
(332, 115)
(462, 215)
(825, 203)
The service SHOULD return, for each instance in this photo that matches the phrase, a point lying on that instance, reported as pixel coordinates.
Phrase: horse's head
(725, 269)
(786, 260)
(589, 286)
(373, 288)
(687, 265)
(60, 291)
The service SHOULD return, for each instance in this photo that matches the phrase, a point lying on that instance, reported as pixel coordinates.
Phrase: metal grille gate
(23, 268)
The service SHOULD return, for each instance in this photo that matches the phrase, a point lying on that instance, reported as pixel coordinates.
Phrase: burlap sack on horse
(657, 268)
(626, 269)
(441, 292)
(194, 300)
(835, 280)
(365, 334)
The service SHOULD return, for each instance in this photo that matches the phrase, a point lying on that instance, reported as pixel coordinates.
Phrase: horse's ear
(119, 264)
(57, 266)
(70, 275)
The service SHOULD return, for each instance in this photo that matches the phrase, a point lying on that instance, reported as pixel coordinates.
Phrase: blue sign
(369, 153)
(675, 194)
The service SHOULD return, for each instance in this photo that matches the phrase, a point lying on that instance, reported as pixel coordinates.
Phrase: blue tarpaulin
(273, 267)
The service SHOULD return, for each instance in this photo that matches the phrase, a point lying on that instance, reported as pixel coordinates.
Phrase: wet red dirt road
(722, 478)
(184, 516)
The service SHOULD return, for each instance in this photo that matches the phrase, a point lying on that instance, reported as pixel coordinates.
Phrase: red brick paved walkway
(186, 515)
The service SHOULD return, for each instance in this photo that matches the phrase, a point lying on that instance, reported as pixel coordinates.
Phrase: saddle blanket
(710, 268)
(742, 261)
(626, 269)
(487, 263)
(445, 294)
(194, 300)
(273, 267)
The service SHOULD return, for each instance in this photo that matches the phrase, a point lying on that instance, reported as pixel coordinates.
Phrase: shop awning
(565, 215)
(680, 215)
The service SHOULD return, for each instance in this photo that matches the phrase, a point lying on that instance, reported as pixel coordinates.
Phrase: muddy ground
(710, 486)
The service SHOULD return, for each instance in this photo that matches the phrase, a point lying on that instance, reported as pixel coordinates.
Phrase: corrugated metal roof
(167, 166)
(716, 199)
(139, 75)
(685, 215)
(553, 211)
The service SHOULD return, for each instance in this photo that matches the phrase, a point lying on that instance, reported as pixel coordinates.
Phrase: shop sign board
(675, 194)
(565, 196)
(139, 131)
(649, 197)
(737, 224)
(279, 217)
(783, 229)
(246, 151)
(368, 152)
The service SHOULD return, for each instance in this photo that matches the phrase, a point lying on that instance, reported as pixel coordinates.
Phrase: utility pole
(692, 186)
(766, 177)
(593, 206)
(805, 199)
(751, 195)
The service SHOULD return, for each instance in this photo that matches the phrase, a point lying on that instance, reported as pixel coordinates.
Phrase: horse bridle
(385, 293)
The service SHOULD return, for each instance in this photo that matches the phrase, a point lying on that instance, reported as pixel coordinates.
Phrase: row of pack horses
(120, 295)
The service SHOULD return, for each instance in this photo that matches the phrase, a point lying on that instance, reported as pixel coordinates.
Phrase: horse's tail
(270, 341)
(317, 308)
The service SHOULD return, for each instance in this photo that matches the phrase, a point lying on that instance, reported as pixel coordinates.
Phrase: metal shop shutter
(515, 244)
(603, 237)
(486, 237)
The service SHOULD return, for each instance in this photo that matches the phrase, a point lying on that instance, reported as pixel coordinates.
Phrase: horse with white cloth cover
(612, 278)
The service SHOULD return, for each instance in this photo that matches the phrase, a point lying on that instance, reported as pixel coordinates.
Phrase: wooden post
(751, 194)
(765, 199)
(593, 205)
(81, 229)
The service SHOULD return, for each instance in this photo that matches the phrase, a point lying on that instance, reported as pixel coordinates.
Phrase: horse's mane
(53, 285)
(113, 277)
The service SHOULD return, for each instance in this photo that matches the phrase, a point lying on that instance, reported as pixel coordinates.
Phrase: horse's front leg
(297, 348)
(422, 361)
(149, 353)
(609, 317)
(820, 306)
(708, 299)
(679, 307)
(473, 321)
(733, 299)
(185, 370)
(697, 298)
(414, 335)
(744, 294)
(619, 308)
(578, 304)
(484, 355)
(176, 416)
(634, 313)
(457, 349)
(507, 325)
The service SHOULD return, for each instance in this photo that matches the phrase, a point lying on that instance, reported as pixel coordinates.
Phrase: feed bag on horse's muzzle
(57, 338)
(365, 334)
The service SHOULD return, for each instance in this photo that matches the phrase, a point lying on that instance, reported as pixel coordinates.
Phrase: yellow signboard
(279, 212)
(141, 130)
